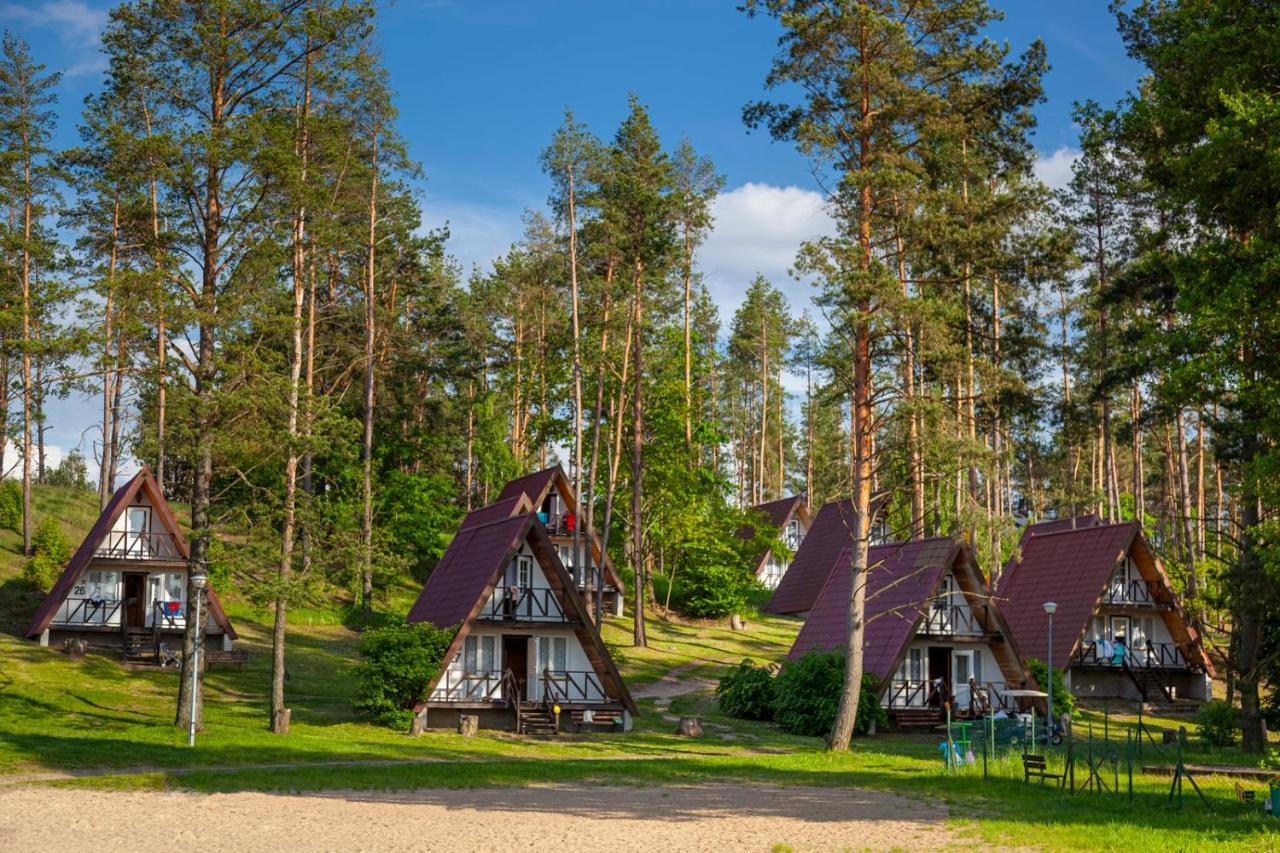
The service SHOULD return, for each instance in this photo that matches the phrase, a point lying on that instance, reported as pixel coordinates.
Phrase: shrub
(713, 580)
(50, 554)
(747, 692)
(11, 505)
(807, 694)
(1218, 723)
(397, 664)
(1063, 701)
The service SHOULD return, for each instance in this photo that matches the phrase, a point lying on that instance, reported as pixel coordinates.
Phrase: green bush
(1218, 723)
(11, 505)
(50, 554)
(807, 694)
(713, 580)
(396, 667)
(747, 692)
(1063, 701)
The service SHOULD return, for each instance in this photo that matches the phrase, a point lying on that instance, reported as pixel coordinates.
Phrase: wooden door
(939, 670)
(515, 657)
(135, 586)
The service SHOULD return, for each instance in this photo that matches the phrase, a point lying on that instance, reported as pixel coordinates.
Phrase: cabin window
(137, 524)
(963, 667)
(553, 654)
(469, 649)
(524, 572)
(916, 661)
(97, 586)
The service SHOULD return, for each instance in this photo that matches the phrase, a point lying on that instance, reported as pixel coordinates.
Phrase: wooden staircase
(536, 719)
(138, 646)
(1150, 681)
(916, 718)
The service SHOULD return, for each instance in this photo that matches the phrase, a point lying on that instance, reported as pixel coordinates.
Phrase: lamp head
(199, 581)
(1050, 606)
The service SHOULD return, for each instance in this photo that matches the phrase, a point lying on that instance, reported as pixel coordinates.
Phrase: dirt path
(673, 683)
(566, 819)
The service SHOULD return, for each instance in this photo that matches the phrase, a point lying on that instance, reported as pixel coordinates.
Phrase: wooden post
(468, 724)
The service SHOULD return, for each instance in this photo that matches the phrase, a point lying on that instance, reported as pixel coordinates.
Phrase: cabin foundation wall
(1101, 684)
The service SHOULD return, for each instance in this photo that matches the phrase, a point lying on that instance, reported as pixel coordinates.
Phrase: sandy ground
(564, 819)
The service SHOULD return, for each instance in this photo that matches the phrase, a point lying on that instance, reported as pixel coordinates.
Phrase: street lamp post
(198, 582)
(1049, 608)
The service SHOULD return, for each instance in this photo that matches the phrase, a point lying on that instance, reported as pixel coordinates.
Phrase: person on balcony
(1118, 651)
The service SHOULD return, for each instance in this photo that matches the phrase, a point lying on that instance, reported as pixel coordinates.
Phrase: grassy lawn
(60, 717)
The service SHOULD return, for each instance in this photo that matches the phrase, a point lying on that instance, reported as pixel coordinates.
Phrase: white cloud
(78, 26)
(1055, 169)
(478, 234)
(758, 229)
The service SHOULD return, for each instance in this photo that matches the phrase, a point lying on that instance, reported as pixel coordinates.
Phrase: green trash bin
(1275, 802)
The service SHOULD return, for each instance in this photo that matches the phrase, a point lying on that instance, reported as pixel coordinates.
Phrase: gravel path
(565, 819)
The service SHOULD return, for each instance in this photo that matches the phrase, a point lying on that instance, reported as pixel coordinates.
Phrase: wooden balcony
(139, 547)
(954, 620)
(523, 604)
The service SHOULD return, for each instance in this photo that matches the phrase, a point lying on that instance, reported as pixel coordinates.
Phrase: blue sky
(483, 83)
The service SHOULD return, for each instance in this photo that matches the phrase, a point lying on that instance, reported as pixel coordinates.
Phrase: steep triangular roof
(902, 579)
(145, 482)
(778, 513)
(828, 536)
(1072, 568)
(537, 486)
(473, 564)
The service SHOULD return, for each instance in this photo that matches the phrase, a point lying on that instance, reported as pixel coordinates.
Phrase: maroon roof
(901, 579)
(470, 563)
(779, 512)
(1057, 525)
(534, 485)
(144, 480)
(495, 511)
(830, 533)
(1070, 568)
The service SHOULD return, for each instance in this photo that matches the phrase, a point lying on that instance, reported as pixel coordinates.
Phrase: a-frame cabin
(790, 516)
(933, 633)
(525, 644)
(1120, 630)
(126, 585)
(827, 537)
(550, 493)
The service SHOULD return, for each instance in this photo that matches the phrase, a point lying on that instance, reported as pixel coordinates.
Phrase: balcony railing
(132, 545)
(565, 686)
(458, 686)
(975, 696)
(1149, 655)
(167, 614)
(530, 604)
(950, 620)
(89, 611)
(558, 524)
(1137, 591)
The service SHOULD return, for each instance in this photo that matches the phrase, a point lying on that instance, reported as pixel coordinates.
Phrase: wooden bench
(236, 657)
(599, 718)
(1035, 766)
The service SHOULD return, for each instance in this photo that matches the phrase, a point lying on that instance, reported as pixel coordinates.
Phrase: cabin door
(939, 675)
(135, 600)
(515, 657)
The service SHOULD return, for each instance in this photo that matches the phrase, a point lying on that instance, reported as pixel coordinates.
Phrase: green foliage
(11, 505)
(1218, 722)
(808, 694)
(747, 691)
(397, 664)
(1063, 701)
(50, 548)
(419, 515)
(71, 472)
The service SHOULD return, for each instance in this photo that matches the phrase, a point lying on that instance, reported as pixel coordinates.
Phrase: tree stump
(75, 649)
(280, 725)
(419, 724)
(736, 623)
(468, 724)
(689, 727)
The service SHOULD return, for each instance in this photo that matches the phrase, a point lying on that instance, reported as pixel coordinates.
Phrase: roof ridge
(1052, 533)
